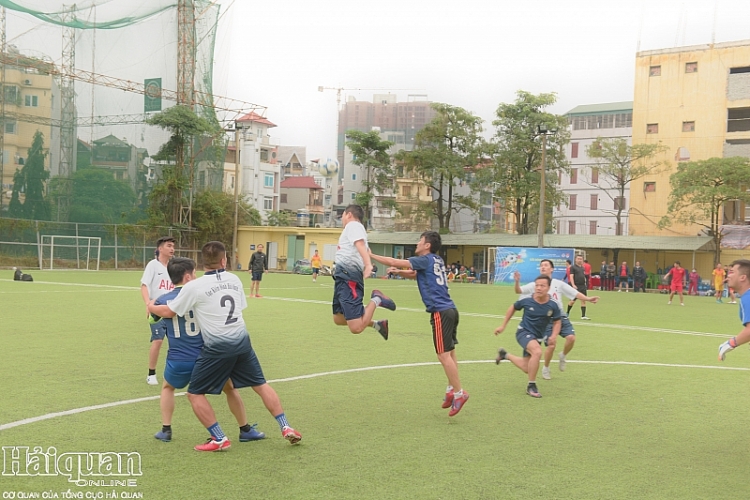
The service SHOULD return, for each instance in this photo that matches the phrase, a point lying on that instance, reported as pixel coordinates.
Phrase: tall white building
(261, 172)
(591, 200)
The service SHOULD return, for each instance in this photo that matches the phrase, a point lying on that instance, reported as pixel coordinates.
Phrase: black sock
(245, 428)
(569, 308)
(165, 428)
(583, 312)
(151, 372)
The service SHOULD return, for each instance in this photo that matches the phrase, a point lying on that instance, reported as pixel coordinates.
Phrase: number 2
(224, 300)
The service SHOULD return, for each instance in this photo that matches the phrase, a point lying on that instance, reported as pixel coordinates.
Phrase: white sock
(377, 300)
(458, 394)
(375, 325)
(449, 388)
(562, 355)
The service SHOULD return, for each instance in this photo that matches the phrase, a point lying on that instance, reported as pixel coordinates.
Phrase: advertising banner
(152, 98)
(526, 261)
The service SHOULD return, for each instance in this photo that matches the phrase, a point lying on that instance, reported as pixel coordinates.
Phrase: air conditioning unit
(27, 82)
(318, 225)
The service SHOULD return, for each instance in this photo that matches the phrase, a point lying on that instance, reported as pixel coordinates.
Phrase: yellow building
(696, 101)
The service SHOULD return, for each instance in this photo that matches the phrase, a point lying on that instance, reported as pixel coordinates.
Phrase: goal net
(70, 252)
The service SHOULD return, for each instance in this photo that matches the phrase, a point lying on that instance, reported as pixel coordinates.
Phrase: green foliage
(280, 219)
(30, 181)
(213, 216)
(96, 196)
(372, 154)
(512, 172)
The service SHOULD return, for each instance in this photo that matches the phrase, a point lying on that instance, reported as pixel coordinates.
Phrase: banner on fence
(526, 261)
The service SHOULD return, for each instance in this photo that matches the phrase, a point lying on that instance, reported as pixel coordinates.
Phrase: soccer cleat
(384, 301)
(733, 302)
(669, 303)
(151, 380)
(501, 355)
(718, 301)
(165, 436)
(383, 323)
(726, 347)
(561, 365)
(258, 296)
(212, 445)
(585, 318)
(545, 373)
(291, 435)
(252, 435)
(448, 400)
(532, 391)
(458, 403)
(682, 303)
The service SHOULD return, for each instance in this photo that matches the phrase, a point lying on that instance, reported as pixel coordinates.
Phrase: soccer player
(538, 311)
(678, 277)
(217, 300)
(258, 265)
(719, 276)
(155, 282)
(739, 279)
(185, 344)
(352, 265)
(577, 277)
(558, 290)
(429, 270)
(315, 263)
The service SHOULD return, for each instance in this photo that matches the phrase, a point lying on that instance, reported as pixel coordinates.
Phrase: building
(592, 198)
(303, 196)
(292, 160)
(696, 101)
(125, 161)
(261, 171)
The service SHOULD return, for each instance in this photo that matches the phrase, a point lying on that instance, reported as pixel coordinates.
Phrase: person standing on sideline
(315, 263)
(538, 311)
(719, 276)
(185, 344)
(603, 276)
(678, 277)
(693, 279)
(258, 265)
(352, 265)
(611, 271)
(217, 299)
(639, 277)
(739, 280)
(567, 271)
(429, 270)
(587, 272)
(155, 282)
(578, 282)
(558, 289)
(623, 273)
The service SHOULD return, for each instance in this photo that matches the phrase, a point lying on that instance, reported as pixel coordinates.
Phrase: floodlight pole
(236, 193)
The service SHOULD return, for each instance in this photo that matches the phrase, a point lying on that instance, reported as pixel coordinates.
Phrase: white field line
(75, 411)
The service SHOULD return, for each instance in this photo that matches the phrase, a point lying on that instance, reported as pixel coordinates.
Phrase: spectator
(639, 277)
(471, 275)
(587, 272)
(694, 278)
(603, 276)
(611, 271)
(568, 263)
(623, 274)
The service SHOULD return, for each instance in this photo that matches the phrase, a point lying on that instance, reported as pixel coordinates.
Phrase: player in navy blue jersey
(429, 270)
(185, 344)
(538, 311)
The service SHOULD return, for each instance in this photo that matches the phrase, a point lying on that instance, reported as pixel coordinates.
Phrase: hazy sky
(471, 53)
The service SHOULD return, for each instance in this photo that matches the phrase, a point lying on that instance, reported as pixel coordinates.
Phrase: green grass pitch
(643, 411)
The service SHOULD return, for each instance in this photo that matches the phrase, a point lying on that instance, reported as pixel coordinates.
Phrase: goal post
(70, 252)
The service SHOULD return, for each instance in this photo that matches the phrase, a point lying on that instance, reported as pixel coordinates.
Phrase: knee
(358, 328)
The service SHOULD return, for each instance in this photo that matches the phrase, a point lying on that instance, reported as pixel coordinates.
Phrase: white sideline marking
(76, 411)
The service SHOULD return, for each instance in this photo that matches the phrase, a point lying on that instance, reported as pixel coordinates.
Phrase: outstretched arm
(404, 273)
(390, 261)
(508, 314)
(517, 280)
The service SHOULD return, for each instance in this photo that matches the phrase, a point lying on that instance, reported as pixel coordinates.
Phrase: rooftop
(255, 117)
(598, 109)
(299, 183)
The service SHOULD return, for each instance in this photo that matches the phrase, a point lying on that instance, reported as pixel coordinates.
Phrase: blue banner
(526, 261)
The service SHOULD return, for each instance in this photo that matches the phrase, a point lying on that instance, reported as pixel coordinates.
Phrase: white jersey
(557, 290)
(217, 300)
(347, 255)
(156, 279)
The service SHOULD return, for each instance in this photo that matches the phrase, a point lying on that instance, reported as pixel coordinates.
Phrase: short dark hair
(743, 266)
(212, 253)
(357, 211)
(178, 267)
(551, 264)
(545, 278)
(164, 239)
(678, 263)
(568, 261)
(433, 239)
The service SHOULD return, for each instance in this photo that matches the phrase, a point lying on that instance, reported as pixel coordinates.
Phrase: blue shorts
(348, 293)
(565, 329)
(524, 337)
(211, 374)
(158, 329)
(315, 270)
(257, 276)
(177, 373)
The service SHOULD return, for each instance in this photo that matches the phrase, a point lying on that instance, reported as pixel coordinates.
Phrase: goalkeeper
(739, 279)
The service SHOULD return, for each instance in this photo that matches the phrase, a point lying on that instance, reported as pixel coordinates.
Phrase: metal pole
(540, 229)
(236, 192)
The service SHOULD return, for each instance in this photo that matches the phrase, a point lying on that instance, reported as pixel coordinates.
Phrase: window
(572, 203)
(594, 176)
(268, 180)
(263, 155)
(691, 67)
(734, 71)
(31, 101)
(406, 190)
(571, 227)
(688, 126)
(654, 71)
(619, 203)
(738, 120)
(354, 196)
(574, 150)
(118, 175)
(623, 120)
(652, 128)
(354, 177)
(594, 203)
(574, 176)
(592, 227)
(10, 127)
(649, 187)
(11, 94)
(283, 198)
(267, 203)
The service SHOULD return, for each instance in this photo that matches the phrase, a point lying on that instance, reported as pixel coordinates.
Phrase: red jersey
(678, 275)
(587, 269)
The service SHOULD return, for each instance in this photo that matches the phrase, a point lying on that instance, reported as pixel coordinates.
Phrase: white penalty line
(84, 409)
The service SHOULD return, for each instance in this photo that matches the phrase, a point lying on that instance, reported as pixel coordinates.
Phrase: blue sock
(281, 419)
(216, 432)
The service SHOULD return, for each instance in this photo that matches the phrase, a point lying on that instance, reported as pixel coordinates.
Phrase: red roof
(300, 183)
(255, 117)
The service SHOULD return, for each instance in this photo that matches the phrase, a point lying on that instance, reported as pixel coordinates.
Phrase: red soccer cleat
(213, 445)
(448, 400)
(291, 435)
(458, 403)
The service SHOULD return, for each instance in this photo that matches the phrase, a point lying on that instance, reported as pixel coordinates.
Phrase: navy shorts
(524, 337)
(316, 270)
(211, 374)
(159, 329)
(177, 373)
(348, 293)
(257, 276)
(444, 329)
(565, 329)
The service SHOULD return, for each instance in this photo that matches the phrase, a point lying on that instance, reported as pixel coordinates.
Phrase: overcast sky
(470, 53)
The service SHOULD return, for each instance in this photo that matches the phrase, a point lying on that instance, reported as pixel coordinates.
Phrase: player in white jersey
(155, 282)
(557, 290)
(217, 299)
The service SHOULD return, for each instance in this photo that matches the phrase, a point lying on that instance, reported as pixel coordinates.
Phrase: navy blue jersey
(432, 282)
(537, 316)
(185, 341)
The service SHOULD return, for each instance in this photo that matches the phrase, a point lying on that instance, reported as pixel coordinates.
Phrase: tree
(701, 188)
(372, 155)
(96, 196)
(445, 153)
(515, 154)
(280, 219)
(30, 181)
(213, 216)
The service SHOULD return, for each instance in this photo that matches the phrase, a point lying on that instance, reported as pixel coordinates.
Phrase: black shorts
(444, 329)
(257, 275)
(211, 374)
(348, 293)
